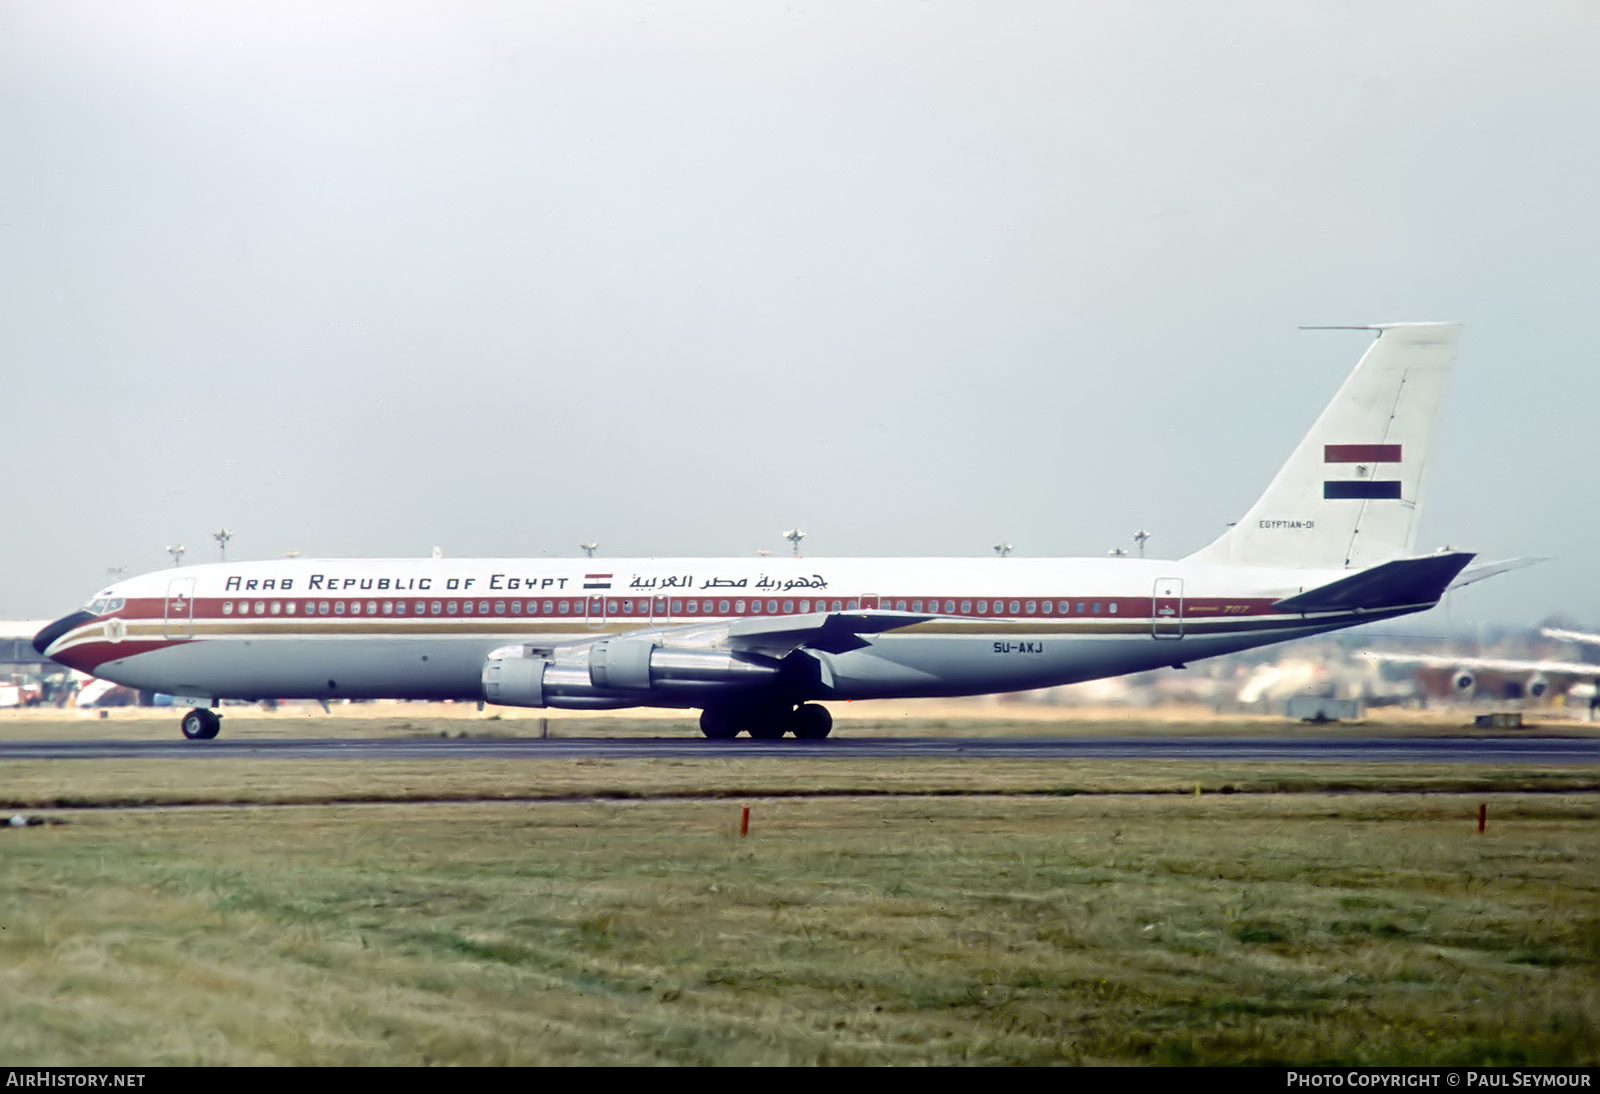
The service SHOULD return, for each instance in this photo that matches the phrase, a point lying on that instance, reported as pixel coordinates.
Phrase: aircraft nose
(47, 637)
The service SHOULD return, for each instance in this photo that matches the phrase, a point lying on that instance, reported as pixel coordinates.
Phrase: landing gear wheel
(812, 722)
(718, 724)
(200, 724)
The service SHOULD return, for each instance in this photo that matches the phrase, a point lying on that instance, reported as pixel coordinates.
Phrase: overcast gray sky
(359, 279)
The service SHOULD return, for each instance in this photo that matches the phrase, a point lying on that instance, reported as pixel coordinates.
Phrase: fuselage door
(595, 612)
(869, 602)
(179, 621)
(1166, 608)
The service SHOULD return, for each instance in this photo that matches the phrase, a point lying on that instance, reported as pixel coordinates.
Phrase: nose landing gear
(201, 724)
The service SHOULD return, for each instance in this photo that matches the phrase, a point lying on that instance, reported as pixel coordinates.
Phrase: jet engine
(617, 672)
(1462, 681)
(1538, 686)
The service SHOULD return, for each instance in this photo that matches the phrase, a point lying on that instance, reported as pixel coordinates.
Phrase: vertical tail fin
(1351, 493)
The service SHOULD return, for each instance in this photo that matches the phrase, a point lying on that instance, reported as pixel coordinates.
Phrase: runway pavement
(1531, 750)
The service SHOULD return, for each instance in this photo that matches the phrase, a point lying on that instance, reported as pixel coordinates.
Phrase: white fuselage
(422, 629)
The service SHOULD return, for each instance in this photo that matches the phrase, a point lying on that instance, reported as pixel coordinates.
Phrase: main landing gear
(809, 722)
(201, 724)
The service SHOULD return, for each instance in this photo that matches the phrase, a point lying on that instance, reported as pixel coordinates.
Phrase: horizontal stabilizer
(1484, 570)
(1403, 583)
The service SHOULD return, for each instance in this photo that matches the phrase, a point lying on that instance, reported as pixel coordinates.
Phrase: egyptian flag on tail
(1358, 467)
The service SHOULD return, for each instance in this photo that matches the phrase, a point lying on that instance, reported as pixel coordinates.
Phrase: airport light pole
(176, 551)
(589, 548)
(1139, 537)
(222, 536)
(1118, 552)
(794, 536)
(1003, 548)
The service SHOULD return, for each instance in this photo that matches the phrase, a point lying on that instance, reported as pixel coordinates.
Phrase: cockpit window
(98, 607)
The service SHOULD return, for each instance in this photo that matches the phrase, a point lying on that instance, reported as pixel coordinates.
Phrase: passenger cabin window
(1113, 607)
(437, 605)
(338, 607)
(227, 607)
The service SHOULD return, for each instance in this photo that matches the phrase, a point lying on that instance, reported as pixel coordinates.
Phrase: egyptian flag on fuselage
(1357, 467)
(597, 581)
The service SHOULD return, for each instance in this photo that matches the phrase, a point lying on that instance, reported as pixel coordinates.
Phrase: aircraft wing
(1570, 636)
(830, 632)
(1492, 664)
(827, 632)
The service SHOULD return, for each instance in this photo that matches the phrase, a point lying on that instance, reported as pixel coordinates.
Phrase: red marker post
(744, 823)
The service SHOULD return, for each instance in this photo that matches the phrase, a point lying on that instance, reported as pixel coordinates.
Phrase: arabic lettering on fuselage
(765, 583)
(503, 582)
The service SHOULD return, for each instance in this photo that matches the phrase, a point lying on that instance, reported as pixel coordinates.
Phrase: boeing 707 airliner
(754, 644)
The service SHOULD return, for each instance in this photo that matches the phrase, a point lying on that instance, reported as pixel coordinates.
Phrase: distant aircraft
(754, 643)
(1505, 677)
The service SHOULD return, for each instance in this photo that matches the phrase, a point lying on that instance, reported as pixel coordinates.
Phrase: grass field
(931, 911)
(878, 718)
